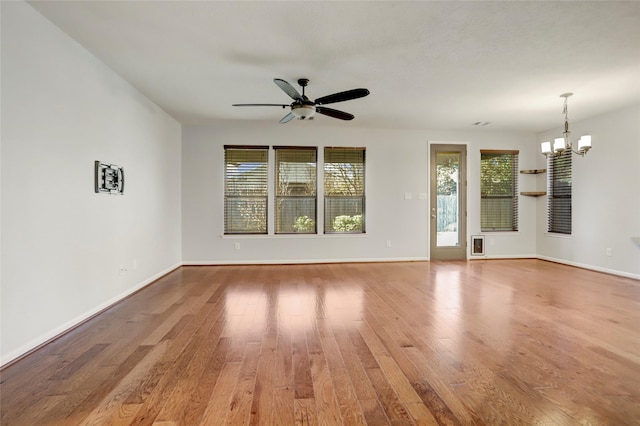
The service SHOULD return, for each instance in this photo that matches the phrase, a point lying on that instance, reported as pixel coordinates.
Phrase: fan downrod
(303, 83)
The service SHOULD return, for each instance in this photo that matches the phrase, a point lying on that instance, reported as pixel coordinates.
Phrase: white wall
(63, 244)
(396, 163)
(606, 197)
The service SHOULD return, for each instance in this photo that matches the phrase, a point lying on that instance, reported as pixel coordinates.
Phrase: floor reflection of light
(447, 290)
(447, 306)
(344, 305)
(245, 311)
(483, 313)
(496, 310)
(296, 308)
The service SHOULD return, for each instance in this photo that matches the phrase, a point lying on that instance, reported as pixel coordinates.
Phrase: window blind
(296, 189)
(559, 193)
(498, 190)
(245, 190)
(344, 195)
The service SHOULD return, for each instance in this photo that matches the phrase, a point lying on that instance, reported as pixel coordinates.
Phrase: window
(559, 193)
(344, 190)
(498, 190)
(296, 190)
(245, 190)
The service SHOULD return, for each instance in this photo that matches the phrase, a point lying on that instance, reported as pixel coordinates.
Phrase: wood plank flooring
(514, 342)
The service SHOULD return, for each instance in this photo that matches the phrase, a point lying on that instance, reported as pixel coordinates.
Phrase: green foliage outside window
(348, 223)
(304, 224)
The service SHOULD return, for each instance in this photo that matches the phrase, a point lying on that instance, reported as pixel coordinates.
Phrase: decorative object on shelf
(109, 178)
(562, 144)
(477, 245)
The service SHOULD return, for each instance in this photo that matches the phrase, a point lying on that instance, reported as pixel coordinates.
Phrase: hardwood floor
(483, 342)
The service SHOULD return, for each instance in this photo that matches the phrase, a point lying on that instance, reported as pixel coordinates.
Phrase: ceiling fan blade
(280, 105)
(342, 96)
(334, 113)
(287, 88)
(287, 118)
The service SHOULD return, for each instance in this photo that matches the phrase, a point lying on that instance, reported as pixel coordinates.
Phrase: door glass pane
(447, 180)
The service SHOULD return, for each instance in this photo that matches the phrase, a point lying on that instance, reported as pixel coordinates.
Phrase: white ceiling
(441, 65)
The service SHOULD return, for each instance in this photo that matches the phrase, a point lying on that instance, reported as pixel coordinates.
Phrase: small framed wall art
(477, 245)
(109, 178)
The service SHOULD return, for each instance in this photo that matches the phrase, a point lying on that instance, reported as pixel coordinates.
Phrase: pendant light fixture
(562, 144)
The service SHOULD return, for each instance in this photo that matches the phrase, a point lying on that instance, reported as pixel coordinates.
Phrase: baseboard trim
(590, 267)
(43, 340)
(498, 257)
(300, 261)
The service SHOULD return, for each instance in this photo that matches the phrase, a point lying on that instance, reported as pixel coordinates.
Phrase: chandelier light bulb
(546, 148)
(584, 143)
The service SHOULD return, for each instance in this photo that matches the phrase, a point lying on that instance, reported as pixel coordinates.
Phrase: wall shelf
(533, 172)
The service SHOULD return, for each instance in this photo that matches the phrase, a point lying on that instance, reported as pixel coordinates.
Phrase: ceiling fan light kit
(303, 108)
(303, 111)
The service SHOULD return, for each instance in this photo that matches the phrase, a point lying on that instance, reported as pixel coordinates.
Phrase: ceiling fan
(303, 108)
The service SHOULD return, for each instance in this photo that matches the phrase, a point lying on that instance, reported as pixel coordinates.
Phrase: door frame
(454, 252)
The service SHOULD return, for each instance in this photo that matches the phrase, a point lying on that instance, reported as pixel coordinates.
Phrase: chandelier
(562, 144)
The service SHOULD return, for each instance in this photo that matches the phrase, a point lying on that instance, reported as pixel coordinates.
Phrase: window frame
(262, 180)
(491, 218)
(359, 193)
(560, 193)
(281, 199)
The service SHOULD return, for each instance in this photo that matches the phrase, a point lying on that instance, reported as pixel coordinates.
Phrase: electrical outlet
(237, 246)
(389, 243)
(609, 252)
